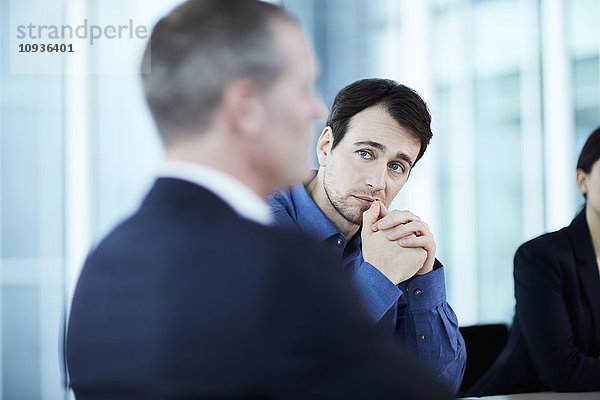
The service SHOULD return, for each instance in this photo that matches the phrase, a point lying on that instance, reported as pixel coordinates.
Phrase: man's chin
(355, 217)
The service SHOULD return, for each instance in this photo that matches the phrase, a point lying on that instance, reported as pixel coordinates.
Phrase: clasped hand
(397, 243)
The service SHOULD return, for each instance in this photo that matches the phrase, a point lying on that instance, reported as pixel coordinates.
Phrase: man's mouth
(365, 200)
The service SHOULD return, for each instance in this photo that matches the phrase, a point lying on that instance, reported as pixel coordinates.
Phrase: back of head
(403, 104)
(590, 152)
(197, 49)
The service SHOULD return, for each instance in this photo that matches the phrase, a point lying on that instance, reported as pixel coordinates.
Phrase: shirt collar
(311, 219)
(236, 194)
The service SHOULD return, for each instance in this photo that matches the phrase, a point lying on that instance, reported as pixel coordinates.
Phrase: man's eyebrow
(376, 145)
(400, 155)
(403, 156)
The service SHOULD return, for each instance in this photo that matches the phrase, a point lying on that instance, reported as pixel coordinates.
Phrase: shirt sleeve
(377, 292)
(427, 324)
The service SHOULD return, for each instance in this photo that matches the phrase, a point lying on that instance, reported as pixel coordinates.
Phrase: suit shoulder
(546, 243)
(281, 237)
(549, 252)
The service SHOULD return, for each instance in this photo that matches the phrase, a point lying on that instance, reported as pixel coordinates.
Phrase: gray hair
(197, 49)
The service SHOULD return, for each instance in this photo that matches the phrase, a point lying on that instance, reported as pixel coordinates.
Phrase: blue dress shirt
(416, 310)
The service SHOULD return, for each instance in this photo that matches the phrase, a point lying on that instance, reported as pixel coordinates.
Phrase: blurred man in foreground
(194, 295)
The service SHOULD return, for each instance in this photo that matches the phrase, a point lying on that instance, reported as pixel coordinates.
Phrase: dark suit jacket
(185, 299)
(554, 342)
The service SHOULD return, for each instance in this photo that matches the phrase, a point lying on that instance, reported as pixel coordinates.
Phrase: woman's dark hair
(590, 153)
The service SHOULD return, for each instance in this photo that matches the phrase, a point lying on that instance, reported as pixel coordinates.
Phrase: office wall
(513, 88)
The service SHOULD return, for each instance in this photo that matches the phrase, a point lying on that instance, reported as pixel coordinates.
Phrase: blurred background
(513, 87)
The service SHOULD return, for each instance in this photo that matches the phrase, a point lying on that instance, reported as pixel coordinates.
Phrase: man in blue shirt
(376, 131)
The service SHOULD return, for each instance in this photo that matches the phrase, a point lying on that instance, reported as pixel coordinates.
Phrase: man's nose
(376, 177)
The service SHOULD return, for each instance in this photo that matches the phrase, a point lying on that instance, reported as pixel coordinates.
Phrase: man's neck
(593, 220)
(316, 190)
(209, 153)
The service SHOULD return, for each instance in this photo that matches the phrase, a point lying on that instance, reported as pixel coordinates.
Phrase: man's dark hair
(401, 102)
(201, 46)
(590, 153)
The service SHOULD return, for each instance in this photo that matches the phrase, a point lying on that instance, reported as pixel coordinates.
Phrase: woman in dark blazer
(554, 342)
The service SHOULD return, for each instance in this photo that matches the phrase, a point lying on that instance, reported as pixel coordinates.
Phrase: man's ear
(581, 178)
(324, 146)
(244, 108)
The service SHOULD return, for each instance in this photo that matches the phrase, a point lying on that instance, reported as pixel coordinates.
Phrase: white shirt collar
(236, 194)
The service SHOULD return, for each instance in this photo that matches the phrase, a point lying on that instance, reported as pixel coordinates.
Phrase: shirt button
(418, 292)
(340, 242)
(422, 337)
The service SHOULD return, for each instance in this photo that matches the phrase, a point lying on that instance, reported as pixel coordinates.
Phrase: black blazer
(185, 299)
(554, 342)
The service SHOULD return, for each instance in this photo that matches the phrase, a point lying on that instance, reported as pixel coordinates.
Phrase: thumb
(383, 211)
(371, 215)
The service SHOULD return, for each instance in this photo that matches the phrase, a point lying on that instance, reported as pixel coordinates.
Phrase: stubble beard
(350, 213)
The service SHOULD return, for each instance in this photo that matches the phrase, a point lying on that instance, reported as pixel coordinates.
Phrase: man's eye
(397, 168)
(364, 154)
